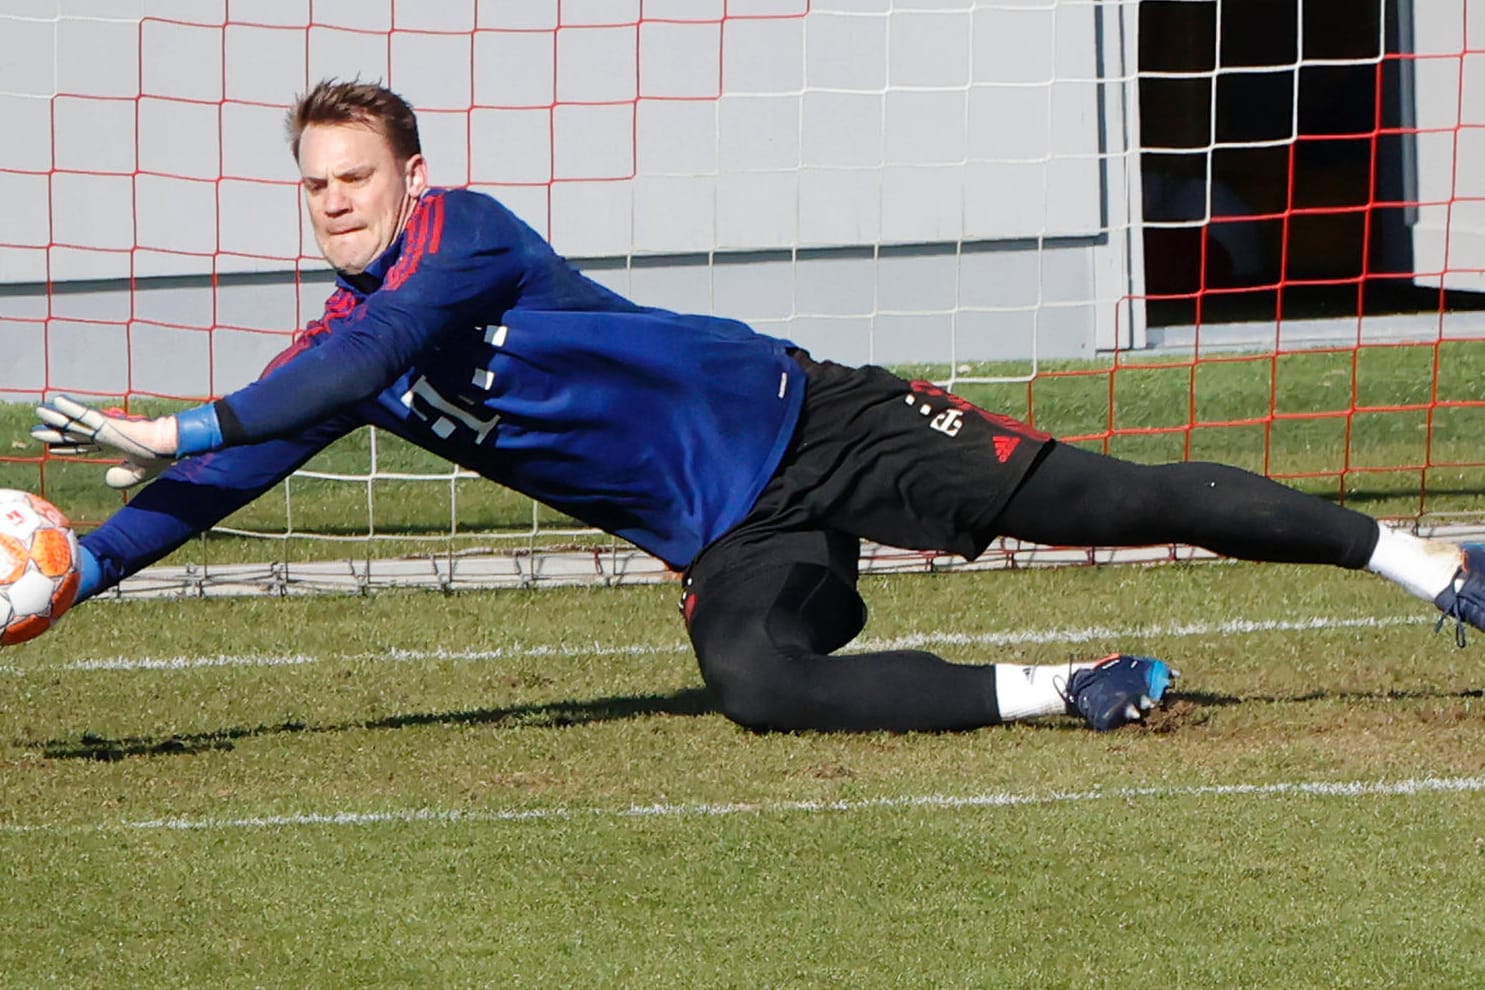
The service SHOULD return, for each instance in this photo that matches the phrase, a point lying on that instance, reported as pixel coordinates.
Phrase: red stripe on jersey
(435, 233)
(340, 303)
(412, 250)
(424, 231)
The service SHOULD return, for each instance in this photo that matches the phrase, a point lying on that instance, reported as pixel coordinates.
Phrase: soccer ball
(38, 566)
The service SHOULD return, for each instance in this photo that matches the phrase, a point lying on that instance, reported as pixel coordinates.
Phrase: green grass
(533, 789)
(170, 773)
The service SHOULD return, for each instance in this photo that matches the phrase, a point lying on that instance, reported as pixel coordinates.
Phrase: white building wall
(885, 181)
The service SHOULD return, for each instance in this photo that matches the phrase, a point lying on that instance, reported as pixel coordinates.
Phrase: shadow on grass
(688, 701)
(1185, 706)
(1206, 699)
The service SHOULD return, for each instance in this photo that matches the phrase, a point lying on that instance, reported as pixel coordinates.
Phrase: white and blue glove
(148, 446)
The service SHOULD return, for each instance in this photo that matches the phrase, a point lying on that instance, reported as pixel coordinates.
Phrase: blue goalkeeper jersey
(472, 338)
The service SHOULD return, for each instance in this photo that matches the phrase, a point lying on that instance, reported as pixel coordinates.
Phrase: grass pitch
(532, 789)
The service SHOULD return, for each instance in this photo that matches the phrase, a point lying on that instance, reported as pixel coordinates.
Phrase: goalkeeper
(735, 457)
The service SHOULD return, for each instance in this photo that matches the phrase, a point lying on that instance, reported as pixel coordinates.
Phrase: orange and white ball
(38, 566)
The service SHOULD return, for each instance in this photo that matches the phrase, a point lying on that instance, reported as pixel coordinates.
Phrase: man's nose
(336, 201)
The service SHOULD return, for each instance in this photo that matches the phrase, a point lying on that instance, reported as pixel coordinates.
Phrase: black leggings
(766, 611)
(1078, 498)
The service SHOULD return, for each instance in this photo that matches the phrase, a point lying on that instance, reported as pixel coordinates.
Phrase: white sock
(1422, 567)
(1027, 692)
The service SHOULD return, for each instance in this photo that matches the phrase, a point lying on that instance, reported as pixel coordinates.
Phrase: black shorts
(901, 463)
(874, 457)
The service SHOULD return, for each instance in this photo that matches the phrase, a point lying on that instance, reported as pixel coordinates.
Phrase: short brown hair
(331, 101)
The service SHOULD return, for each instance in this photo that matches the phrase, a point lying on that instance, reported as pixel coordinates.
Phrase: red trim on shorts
(998, 420)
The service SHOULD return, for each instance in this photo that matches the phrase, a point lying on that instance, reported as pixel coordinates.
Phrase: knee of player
(752, 710)
(743, 694)
(749, 682)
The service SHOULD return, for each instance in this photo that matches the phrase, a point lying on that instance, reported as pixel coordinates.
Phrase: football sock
(1421, 567)
(1027, 692)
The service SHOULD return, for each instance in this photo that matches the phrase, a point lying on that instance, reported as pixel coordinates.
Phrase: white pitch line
(1232, 627)
(413, 816)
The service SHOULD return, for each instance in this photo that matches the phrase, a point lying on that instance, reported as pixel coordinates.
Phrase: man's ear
(415, 174)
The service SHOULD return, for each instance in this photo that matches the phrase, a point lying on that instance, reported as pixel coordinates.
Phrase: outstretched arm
(190, 498)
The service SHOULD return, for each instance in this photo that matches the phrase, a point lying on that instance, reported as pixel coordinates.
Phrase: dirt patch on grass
(1175, 715)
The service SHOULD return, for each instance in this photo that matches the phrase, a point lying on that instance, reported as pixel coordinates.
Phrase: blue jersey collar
(372, 277)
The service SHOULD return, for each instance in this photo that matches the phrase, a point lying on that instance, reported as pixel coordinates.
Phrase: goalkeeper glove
(149, 446)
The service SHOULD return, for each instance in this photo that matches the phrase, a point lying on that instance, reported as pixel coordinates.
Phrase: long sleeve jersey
(472, 338)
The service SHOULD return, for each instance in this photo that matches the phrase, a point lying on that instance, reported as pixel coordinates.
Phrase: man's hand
(70, 428)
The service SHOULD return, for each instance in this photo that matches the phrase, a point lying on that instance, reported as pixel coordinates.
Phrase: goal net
(1251, 232)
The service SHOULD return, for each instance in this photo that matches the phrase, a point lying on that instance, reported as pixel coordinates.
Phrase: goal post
(1163, 228)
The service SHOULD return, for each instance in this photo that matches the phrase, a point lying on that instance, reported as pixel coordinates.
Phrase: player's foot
(1119, 689)
(1464, 599)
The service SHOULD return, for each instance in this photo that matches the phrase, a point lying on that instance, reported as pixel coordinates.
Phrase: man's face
(359, 195)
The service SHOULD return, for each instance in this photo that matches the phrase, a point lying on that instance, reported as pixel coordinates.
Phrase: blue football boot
(1119, 689)
(1464, 599)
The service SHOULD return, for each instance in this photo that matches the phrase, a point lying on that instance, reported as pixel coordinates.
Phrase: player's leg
(764, 618)
(1074, 497)
(765, 612)
(918, 467)
(913, 466)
